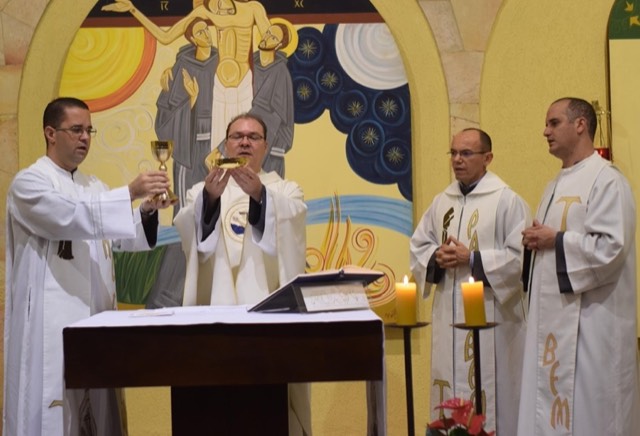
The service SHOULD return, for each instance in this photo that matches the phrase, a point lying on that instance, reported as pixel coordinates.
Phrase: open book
(328, 290)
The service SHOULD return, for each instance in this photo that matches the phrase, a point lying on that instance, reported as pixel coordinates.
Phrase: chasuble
(489, 221)
(580, 374)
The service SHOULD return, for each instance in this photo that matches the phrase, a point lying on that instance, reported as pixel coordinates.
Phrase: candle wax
(473, 301)
(406, 303)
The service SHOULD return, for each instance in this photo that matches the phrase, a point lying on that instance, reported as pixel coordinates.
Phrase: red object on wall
(605, 152)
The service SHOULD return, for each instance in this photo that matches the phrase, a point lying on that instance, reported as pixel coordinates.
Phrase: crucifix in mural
(328, 71)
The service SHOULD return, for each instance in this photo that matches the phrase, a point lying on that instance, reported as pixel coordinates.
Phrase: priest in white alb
(243, 234)
(61, 228)
(580, 374)
(473, 229)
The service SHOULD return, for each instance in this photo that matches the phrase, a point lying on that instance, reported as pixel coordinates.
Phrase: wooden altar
(228, 369)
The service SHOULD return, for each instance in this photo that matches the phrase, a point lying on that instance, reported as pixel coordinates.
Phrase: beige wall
(539, 51)
(625, 98)
(491, 63)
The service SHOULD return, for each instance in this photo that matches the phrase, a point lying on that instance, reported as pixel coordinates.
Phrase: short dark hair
(485, 139)
(247, 116)
(577, 108)
(55, 111)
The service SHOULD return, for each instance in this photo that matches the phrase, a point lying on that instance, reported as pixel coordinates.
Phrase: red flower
(463, 420)
(461, 410)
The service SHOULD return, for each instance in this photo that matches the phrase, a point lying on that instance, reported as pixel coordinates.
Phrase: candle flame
(471, 280)
(406, 279)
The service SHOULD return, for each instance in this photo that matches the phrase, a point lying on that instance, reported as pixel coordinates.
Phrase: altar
(228, 369)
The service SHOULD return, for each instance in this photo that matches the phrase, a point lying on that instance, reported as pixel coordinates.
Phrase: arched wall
(430, 128)
(536, 52)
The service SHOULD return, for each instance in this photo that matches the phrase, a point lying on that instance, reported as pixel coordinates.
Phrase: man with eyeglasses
(61, 228)
(473, 229)
(243, 234)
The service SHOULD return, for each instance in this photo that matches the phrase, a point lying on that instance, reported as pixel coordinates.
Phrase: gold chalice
(162, 151)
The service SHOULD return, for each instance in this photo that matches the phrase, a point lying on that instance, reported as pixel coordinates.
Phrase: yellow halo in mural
(290, 48)
(105, 66)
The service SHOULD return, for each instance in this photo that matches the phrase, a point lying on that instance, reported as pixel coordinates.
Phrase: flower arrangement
(463, 420)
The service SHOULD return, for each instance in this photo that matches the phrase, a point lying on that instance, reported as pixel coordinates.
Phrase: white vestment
(580, 374)
(44, 292)
(488, 220)
(236, 264)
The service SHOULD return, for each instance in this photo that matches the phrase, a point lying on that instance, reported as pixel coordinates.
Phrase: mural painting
(328, 80)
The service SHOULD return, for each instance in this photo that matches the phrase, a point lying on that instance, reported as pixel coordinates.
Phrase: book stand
(408, 372)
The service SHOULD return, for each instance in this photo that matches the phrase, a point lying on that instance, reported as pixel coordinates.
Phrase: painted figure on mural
(185, 107)
(273, 95)
(233, 22)
(184, 116)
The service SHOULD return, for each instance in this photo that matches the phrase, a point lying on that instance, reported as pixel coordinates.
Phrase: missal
(322, 291)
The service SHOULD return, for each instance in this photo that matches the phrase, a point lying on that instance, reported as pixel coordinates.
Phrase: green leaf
(458, 432)
(136, 273)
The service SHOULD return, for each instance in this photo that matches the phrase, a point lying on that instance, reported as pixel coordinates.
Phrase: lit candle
(473, 300)
(406, 304)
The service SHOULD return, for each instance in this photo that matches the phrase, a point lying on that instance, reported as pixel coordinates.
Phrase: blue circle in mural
(377, 122)
(362, 166)
(310, 50)
(389, 108)
(350, 107)
(367, 138)
(329, 79)
(306, 97)
(395, 157)
(305, 91)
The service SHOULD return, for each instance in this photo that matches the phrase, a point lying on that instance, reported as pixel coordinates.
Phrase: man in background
(580, 374)
(473, 229)
(61, 228)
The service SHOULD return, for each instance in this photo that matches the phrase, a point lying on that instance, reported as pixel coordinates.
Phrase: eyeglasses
(465, 154)
(251, 137)
(78, 131)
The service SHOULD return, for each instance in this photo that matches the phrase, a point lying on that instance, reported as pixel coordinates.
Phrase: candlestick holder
(602, 141)
(476, 356)
(408, 372)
